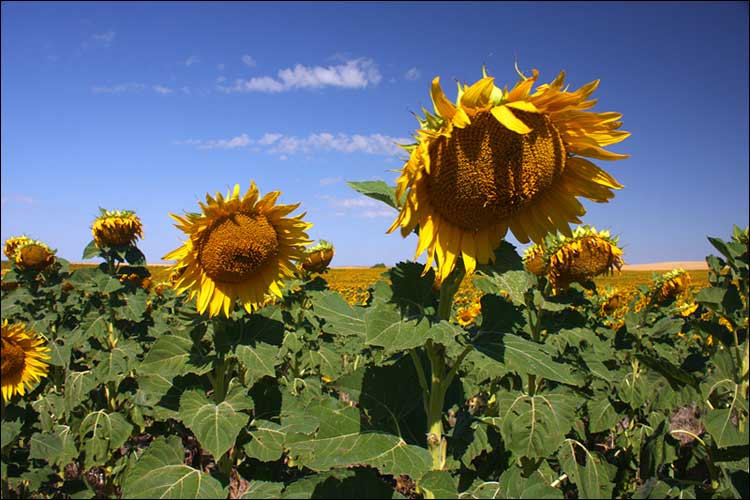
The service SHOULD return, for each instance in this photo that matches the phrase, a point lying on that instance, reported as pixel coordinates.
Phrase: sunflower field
(247, 371)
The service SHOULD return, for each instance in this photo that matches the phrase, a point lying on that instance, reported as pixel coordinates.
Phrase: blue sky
(148, 106)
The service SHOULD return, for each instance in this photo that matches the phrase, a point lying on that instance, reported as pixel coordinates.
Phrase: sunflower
(615, 303)
(583, 255)
(465, 316)
(12, 244)
(34, 256)
(499, 160)
(238, 247)
(533, 260)
(318, 257)
(23, 358)
(116, 228)
(669, 285)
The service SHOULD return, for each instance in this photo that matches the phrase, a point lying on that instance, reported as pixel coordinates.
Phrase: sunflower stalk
(435, 440)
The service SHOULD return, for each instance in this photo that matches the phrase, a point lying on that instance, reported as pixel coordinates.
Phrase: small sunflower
(34, 256)
(534, 261)
(239, 247)
(615, 303)
(116, 228)
(669, 285)
(465, 316)
(581, 256)
(499, 160)
(12, 244)
(318, 257)
(23, 359)
(587, 253)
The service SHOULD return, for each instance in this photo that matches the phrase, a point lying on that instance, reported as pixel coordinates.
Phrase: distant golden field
(352, 282)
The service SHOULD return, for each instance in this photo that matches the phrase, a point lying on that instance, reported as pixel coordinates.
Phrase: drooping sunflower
(239, 247)
(34, 255)
(116, 228)
(23, 359)
(12, 244)
(499, 160)
(534, 260)
(318, 257)
(583, 255)
(669, 285)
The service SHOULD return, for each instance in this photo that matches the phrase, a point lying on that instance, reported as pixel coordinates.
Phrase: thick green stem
(435, 439)
(219, 379)
(535, 324)
(448, 290)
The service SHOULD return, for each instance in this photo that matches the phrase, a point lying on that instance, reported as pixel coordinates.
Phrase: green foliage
(312, 397)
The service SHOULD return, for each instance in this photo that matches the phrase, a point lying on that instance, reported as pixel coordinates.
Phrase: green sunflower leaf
(161, 473)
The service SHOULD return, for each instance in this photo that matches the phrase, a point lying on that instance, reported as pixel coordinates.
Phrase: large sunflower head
(498, 160)
(23, 358)
(318, 257)
(238, 247)
(34, 256)
(116, 228)
(12, 244)
(581, 256)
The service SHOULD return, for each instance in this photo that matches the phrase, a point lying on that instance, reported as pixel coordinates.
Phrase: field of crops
(361, 382)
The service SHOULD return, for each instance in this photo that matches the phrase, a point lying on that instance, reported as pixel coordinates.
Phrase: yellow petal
(443, 106)
(506, 118)
(478, 95)
(523, 106)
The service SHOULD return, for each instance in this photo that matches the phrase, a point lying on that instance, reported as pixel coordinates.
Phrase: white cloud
(377, 144)
(221, 79)
(269, 139)
(103, 39)
(383, 212)
(360, 207)
(247, 60)
(235, 142)
(119, 88)
(327, 181)
(352, 74)
(191, 60)
(283, 145)
(412, 74)
(162, 90)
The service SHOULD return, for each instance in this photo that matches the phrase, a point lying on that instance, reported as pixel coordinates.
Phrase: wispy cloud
(102, 39)
(220, 67)
(119, 88)
(248, 60)
(359, 207)
(17, 199)
(412, 74)
(376, 144)
(327, 181)
(133, 87)
(162, 90)
(191, 60)
(235, 142)
(352, 74)
(284, 145)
